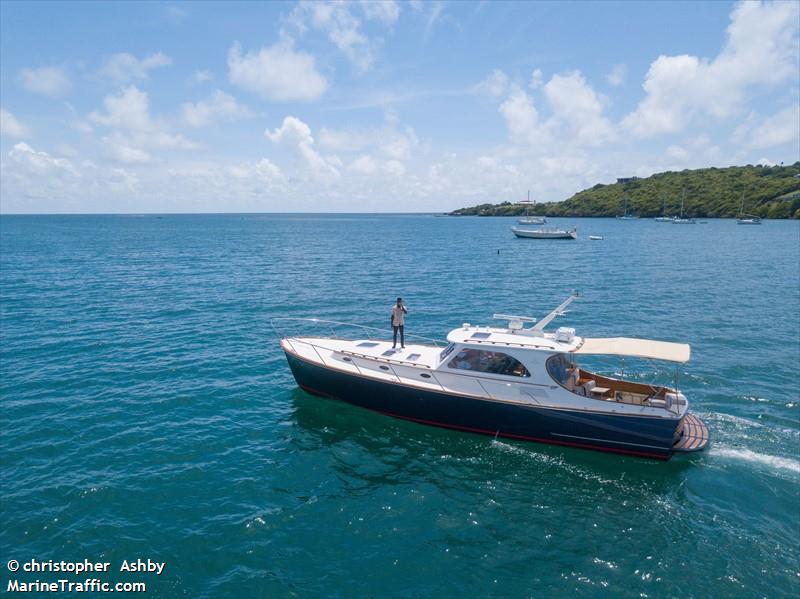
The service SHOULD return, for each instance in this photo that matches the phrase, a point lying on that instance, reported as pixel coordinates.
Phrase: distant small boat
(664, 218)
(680, 220)
(596, 237)
(625, 215)
(747, 219)
(528, 219)
(546, 233)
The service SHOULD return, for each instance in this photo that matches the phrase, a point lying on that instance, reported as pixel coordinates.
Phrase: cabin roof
(639, 348)
(491, 336)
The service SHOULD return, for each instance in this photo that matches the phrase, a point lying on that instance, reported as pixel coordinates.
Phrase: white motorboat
(749, 220)
(508, 381)
(546, 233)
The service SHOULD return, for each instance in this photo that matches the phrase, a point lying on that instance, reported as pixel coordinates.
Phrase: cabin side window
(479, 360)
(447, 351)
(562, 371)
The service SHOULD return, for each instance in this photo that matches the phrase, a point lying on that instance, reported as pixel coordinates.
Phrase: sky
(356, 106)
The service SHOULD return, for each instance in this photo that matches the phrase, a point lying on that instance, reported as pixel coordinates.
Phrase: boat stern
(691, 435)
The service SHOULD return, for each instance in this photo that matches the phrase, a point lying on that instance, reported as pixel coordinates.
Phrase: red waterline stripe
(501, 434)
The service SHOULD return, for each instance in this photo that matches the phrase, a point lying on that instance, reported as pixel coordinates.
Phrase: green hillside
(769, 192)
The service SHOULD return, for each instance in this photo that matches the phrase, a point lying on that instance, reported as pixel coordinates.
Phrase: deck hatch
(413, 357)
(480, 335)
(368, 344)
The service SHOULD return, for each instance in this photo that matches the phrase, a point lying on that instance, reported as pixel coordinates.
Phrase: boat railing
(387, 362)
(338, 330)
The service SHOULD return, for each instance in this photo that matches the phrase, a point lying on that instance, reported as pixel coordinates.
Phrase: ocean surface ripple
(149, 412)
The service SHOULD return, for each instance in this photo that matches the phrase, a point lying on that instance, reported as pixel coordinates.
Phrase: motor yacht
(513, 381)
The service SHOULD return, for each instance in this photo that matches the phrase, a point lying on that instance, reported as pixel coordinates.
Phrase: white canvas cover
(639, 348)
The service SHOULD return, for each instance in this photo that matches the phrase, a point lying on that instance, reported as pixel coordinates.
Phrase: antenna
(560, 311)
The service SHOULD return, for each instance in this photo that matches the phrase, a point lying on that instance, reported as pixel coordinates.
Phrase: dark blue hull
(633, 435)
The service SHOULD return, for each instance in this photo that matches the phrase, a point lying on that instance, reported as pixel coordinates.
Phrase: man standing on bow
(399, 312)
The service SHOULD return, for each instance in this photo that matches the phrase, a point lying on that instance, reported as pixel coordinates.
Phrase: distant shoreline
(326, 214)
(764, 191)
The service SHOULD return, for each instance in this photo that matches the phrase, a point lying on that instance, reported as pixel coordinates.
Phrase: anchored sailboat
(528, 219)
(625, 215)
(664, 218)
(747, 219)
(681, 220)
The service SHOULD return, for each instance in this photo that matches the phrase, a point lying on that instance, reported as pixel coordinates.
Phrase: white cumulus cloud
(276, 73)
(218, 106)
(495, 85)
(342, 22)
(761, 50)
(199, 77)
(125, 153)
(40, 161)
(264, 170)
(616, 76)
(124, 67)
(578, 108)
(134, 130)
(386, 11)
(10, 126)
(389, 142)
(776, 130)
(521, 116)
(363, 165)
(47, 81)
(127, 110)
(536, 79)
(295, 134)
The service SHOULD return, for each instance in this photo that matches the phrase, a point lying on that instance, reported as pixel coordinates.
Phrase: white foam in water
(761, 458)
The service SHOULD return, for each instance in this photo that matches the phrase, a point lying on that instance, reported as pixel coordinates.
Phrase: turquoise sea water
(148, 412)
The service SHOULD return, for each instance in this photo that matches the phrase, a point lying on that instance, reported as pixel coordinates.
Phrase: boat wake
(556, 462)
(747, 455)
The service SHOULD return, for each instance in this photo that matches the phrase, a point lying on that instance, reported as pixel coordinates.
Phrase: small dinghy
(596, 237)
